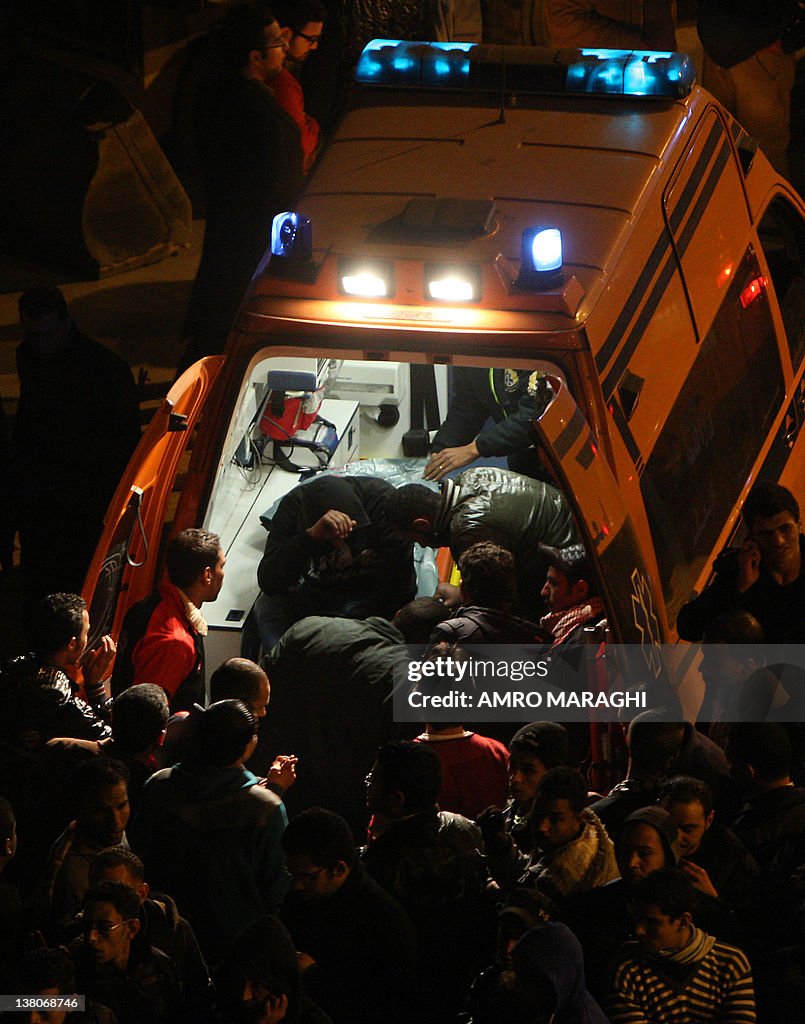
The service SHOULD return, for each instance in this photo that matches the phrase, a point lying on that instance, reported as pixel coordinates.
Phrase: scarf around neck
(561, 624)
(699, 946)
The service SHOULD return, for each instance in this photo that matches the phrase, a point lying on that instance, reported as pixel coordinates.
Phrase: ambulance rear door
(124, 567)
(626, 584)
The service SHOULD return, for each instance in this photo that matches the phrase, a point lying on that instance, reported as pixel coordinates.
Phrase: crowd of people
(289, 852)
(279, 848)
(315, 860)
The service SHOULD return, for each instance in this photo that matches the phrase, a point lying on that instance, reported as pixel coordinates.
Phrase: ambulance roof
(506, 140)
(584, 166)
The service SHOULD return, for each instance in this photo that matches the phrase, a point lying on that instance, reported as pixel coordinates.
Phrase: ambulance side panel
(700, 393)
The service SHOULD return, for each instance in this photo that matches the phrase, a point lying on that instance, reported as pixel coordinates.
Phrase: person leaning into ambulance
(511, 399)
(764, 577)
(332, 551)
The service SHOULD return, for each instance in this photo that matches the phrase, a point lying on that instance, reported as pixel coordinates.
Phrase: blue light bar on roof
(399, 62)
(524, 70)
(631, 73)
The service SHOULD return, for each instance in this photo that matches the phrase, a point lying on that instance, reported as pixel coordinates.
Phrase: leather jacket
(39, 701)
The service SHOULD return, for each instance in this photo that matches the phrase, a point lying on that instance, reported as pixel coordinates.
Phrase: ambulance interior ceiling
(578, 164)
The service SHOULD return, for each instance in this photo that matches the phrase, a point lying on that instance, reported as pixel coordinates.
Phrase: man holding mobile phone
(765, 576)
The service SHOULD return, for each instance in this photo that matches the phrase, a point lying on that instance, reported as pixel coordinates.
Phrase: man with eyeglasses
(355, 945)
(139, 985)
(251, 156)
(301, 23)
(161, 925)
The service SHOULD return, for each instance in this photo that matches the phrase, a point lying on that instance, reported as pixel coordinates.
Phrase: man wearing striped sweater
(674, 973)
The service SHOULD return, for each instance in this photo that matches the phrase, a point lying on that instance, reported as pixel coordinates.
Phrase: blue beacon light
(409, 63)
(291, 237)
(542, 258)
(292, 248)
(631, 73)
(546, 250)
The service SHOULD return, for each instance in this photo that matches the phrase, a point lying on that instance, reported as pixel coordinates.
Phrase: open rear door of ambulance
(609, 535)
(124, 567)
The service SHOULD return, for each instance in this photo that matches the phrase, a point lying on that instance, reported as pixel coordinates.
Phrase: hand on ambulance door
(333, 525)
(444, 462)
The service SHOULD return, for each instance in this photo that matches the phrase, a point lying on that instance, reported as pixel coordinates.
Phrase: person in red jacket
(301, 23)
(171, 652)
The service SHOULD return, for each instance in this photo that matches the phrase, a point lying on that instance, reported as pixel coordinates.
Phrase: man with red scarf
(569, 593)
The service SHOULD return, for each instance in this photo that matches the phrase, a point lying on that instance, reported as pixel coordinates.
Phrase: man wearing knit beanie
(534, 749)
(546, 741)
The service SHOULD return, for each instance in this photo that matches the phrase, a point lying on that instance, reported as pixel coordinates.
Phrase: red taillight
(753, 291)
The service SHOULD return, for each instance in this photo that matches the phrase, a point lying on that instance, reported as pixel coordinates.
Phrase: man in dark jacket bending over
(331, 551)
